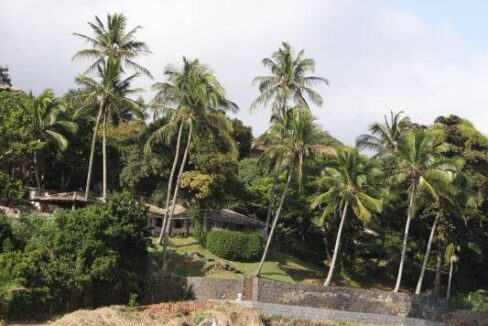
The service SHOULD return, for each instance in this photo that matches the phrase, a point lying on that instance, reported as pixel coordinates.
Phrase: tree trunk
(275, 221)
(427, 254)
(438, 271)
(175, 196)
(451, 268)
(92, 152)
(337, 245)
(271, 202)
(405, 239)
(36, 172)
(104, 158)
(170, 185)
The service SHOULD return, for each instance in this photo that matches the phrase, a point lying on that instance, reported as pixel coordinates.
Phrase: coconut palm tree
(452, 202)
(289, 82)
(108, 93)
(113, 39)
(385, 136)
(194, 102)
(423, 171)
(299, 139)
(349, 181)
(50, 120)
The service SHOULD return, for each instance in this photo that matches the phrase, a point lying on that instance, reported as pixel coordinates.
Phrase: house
(221, 219)
(182, 222)
(46, 202)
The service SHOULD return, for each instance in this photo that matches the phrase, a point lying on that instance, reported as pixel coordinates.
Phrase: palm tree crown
(385, 136)
(112, 39)
(289, 80)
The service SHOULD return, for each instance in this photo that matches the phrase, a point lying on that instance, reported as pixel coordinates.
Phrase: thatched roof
(230, 216)
(66, 197)
(8, 88)
(180, 211)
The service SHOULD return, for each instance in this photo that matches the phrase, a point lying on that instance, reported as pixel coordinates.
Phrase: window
(177, 224)
(159, 222)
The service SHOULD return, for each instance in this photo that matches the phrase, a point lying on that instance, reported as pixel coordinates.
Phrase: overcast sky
(427, 58)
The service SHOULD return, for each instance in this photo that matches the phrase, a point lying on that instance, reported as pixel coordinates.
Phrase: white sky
(376, 56)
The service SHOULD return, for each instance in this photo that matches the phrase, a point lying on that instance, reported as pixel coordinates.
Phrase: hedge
(235, 245)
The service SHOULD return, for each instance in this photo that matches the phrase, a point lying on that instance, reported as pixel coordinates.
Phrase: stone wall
(335, 298)
(367, 301)
(208, 288)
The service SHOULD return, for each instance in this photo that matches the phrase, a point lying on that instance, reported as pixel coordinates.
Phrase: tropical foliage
(405, 210)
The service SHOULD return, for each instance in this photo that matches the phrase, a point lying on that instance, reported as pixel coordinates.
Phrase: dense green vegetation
(234, 245)
(83, 258)
(400, 211)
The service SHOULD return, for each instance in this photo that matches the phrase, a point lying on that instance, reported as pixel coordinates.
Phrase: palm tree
(385, 136)
(448, 204)
(289, 80)
(49, 120)
(300, 137)
(349, 182)
(108, 93)
(194, 102)
(112, 39)
(424, 172)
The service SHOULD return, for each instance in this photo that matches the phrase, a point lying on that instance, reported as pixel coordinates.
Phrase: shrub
(234, 245)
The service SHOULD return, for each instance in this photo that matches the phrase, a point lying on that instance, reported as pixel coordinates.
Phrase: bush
(88, 257)
(234, 245)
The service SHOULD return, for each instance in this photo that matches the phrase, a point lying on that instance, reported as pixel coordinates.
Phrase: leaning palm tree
(113, 39)
(289, 82)
(385, 136)
(108, 93)
(300, 137)
(49, 122)
(424, 172)
(194, 102)
(349, 181)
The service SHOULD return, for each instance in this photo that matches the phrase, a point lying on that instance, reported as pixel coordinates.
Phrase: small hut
(181, 223)
(221, 219)
(68, 200)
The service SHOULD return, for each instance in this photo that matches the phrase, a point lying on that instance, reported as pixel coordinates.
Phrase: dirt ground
(172, 314)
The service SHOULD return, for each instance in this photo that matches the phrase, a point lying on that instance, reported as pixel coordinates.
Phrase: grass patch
(278, 267)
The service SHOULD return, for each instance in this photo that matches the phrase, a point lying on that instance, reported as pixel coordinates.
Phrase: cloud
(377, 57)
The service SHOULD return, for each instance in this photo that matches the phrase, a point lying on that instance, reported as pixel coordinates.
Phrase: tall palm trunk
(275, 221)
(337, 245)
(170, 185)
(438, 271)
(92, 151)
(36, 172)
(405, 239)
(451, 269)
(427, 254)
(104, 158)
(271, 203)
(175, 196)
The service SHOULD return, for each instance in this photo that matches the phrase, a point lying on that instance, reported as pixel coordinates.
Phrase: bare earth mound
(184, 313)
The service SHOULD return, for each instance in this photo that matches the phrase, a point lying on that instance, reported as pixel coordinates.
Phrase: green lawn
(279, 267)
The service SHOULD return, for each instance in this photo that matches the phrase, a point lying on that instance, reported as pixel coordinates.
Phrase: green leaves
(352, 179)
